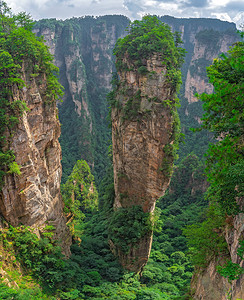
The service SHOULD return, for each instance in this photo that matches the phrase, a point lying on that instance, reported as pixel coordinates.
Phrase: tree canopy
(147, 37)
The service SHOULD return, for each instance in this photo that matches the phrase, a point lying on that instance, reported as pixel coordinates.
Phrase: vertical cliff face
(33, 198)
(140, 137)
(144, 129)
(208, 44)
(82, 49)
(204, 40)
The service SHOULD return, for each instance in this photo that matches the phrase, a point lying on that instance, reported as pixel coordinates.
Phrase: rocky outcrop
(138, 143)
(142, 130)
(204, 40)
(33, 198)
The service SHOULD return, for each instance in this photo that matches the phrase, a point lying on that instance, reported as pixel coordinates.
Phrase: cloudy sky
(228, 10)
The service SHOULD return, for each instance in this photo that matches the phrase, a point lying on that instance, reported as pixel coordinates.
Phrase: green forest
(189, 221)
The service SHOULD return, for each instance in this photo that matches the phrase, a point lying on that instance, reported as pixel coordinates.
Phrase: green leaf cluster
(23, 293)
(42, 256)
(206, 240)
(233, 271)
(129, 225)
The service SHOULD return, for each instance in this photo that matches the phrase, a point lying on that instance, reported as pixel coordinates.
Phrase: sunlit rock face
(33, 198)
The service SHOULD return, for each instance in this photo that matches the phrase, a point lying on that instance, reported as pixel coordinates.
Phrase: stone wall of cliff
(204, 40)
(138, 149)
(33, 197)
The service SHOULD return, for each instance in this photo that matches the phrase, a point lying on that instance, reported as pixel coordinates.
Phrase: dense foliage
(145, 38)
(90, 36)
(128, 225)
(85, 135)
(224, 117)
(80, 196)
(92, 272)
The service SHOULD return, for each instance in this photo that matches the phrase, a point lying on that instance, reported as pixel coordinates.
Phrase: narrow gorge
(110, 222)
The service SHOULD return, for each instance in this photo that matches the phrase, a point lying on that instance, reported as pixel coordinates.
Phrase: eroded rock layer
(33, 198)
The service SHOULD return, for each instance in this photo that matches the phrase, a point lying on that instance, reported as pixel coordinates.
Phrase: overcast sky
(228, 10)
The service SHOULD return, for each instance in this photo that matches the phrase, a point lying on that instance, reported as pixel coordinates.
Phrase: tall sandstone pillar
(144, 133)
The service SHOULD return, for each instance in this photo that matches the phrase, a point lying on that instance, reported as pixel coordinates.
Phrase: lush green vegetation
(75, 128)
(80, 196)
(92, 272)
(85, 137)
(128, 225)
(224, 162)
(224, 118)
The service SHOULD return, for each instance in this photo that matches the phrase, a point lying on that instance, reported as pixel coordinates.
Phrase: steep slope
(30, 190)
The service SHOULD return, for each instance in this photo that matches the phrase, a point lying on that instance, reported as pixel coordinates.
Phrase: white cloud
(239, 20)
(150, 3)
(217, 3)
(222, 16)
(169, 6)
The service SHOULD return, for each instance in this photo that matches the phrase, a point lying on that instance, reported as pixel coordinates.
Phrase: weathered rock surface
(33, 198)
(203, 55)
(139, 139)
